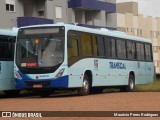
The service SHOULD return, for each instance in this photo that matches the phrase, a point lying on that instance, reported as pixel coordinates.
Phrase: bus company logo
(6, 114)
(117, 65)
(96, 63)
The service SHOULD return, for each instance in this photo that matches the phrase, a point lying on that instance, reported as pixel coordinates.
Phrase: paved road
(135, 101)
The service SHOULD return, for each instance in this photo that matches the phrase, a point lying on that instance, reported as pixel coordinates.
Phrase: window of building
(153, 34)
(40, 13)
(156, 63)
(140, 32)
(58, 12)
(155, 49)
(10, 5)
(121, 49)
(136, 32)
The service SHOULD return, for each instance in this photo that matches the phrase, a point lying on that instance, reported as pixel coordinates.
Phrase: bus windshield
(36, 51)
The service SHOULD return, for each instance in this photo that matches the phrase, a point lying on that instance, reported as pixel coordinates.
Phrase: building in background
(90, 13)
(128, 20)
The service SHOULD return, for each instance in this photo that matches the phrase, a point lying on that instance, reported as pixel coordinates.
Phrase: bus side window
(108, 47)
(94, 44)
(113, 48)
(2, 47)
(6, 51)
(148, 52)
(73, 51)
(140, 51)
(121, 49)
(131, 54)
(86, 44)
(100, 44)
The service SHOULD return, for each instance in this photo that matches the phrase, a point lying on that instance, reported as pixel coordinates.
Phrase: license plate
(37, 86)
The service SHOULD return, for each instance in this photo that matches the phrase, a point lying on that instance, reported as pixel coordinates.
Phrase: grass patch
(150, 87)
(111, 90)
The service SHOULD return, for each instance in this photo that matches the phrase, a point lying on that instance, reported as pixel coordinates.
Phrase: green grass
(111, 90)
(150, 87)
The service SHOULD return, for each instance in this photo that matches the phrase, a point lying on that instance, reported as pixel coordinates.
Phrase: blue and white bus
(7, 43)
(69, 56)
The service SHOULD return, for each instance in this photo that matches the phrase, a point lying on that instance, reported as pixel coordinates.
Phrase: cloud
(147, 7)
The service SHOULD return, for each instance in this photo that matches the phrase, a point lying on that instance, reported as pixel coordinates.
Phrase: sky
(147, 7)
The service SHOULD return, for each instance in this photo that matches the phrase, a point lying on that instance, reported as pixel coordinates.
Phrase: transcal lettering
(117, 65)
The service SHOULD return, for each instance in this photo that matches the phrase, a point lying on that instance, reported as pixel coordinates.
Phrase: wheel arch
(133, 74)
(90, 76)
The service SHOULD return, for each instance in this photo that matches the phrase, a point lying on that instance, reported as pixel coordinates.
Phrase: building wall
(50, 10)
(127, 7)
(112, 20)
(129, 23)
(9, 19)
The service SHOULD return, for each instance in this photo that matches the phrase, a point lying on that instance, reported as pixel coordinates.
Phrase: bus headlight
(17, 75)
(60, 73)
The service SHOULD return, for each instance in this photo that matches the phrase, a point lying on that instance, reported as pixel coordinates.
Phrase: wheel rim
(131, 84)
(85, 85)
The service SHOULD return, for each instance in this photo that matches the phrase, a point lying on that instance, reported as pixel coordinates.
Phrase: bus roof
(12, 32)
(100, 31)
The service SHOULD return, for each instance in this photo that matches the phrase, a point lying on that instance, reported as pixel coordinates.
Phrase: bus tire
(84, 90)
(131, 84)
(11, 92)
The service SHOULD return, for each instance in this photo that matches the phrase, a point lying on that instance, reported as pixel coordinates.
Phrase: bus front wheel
(84, 90)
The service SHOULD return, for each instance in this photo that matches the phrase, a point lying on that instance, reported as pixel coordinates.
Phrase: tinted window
(140, 51)
(94, 44)
(73, 49)
(121, 49)
(148, 52)
(131, 50)
(108, 47)
(100, 44)
(113, 48)
(7, 47)
(86, 44)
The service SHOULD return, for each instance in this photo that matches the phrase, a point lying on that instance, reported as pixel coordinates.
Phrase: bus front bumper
(61, 82)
